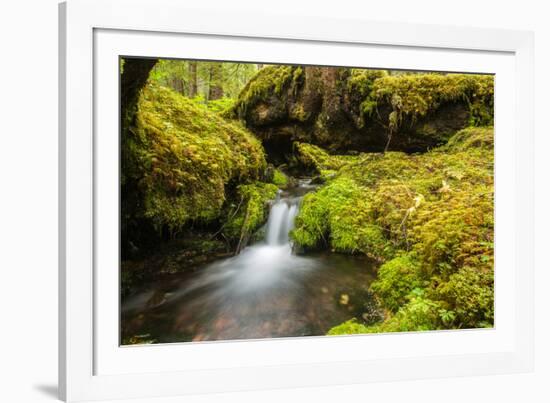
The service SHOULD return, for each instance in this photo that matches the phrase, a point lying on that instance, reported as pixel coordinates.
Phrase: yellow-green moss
(250, 211)
(361, 80)
(182, 156)
(428, 216)
(416, 95)
(279, 178)
(270, 80)
(481, 137)
(396, 279)
(316, 159)
(221, 106)
(419, 314)
(361, 83)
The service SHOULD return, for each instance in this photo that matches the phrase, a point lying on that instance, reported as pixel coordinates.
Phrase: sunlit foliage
(183, 75)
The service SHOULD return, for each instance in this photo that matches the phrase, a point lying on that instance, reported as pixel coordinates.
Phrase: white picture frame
(93, 33)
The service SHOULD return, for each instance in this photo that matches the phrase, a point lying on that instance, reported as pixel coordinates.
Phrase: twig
(243, 232)
(229, 219)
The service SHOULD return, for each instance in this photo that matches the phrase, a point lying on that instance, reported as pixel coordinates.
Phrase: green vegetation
(182, 156)
(396, 280)
(318, 160)
(342, 109)
(204, 81)
(422, 209)
(429, 217)
(279, 178)
(416, 95)
(250, 212)
(270, 80)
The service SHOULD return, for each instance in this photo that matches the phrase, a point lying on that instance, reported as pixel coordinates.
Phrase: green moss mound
(396, 280)
(416, 95)
(429, 217)
(182, 157)
(279, 178)
(471, 137)
(315, 159)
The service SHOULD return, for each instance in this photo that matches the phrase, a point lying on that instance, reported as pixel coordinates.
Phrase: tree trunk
(192, 79)
(216, 77)
(135, 73)
(134, 76)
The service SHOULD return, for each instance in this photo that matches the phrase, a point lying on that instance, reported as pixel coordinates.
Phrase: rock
(343, 109)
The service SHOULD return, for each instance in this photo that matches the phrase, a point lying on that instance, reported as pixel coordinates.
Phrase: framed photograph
(247, 207)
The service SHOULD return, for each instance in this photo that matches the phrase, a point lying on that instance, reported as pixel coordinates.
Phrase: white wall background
(28, 199)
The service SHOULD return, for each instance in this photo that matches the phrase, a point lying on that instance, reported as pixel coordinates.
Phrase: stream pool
(266, 291)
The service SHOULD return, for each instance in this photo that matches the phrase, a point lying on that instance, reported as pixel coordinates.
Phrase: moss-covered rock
(428, 216)
(344, 109)
(280, 179)
(179, 163)
(250, 212)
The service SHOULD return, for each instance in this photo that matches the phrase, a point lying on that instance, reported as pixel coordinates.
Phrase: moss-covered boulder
(249, 213)
(343, 109)
(427, 217)
(180, 163)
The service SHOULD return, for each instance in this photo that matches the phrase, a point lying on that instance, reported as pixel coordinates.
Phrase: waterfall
(281, 220)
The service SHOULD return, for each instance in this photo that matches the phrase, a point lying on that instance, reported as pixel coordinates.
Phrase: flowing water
(265, 291)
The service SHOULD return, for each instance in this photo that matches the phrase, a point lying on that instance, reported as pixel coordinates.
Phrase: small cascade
(264, 291)
(281, 220)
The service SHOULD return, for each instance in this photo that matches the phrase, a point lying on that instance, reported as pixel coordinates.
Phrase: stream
(265, 291)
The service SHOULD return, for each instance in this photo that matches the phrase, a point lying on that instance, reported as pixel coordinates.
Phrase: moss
(416, 95)
(361, 84)
(182, 156)
(361, 81)
(315, 159)
(471, 137)
(398, 193)
(221, 106)
(396, 279)
(429, 217)
(279, 178)
(455, 231)
(469, 294)
(270, 80)
(420, 314)
(298, 113)
(250, 212)
(364, 109)
(139, 339)
(336, 216)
